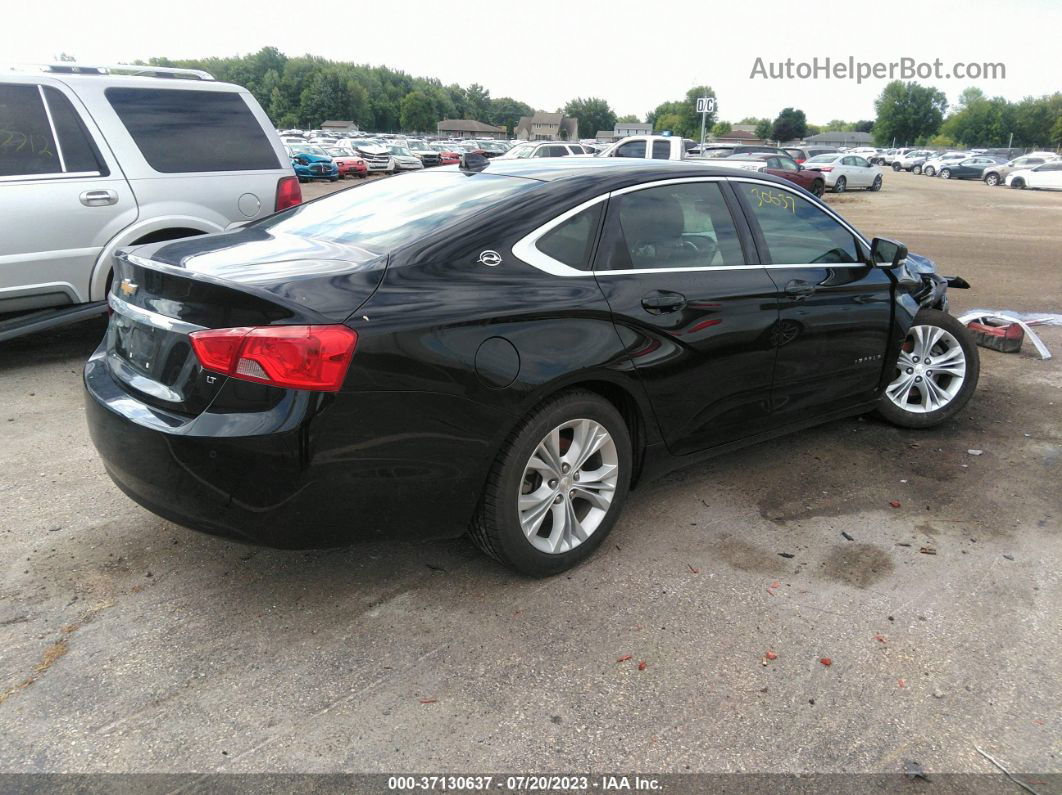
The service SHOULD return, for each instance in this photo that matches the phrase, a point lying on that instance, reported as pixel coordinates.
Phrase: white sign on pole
(706, 105)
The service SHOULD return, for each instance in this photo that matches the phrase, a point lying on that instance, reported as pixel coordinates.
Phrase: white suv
(94, 158)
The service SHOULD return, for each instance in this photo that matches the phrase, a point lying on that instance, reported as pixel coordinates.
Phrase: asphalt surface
(130, 644)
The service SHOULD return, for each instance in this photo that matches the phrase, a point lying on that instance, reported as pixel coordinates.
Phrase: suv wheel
(896, 166)
(929, 171)
(992, 179)
(916, 170)
(936, 372)
(557, 486)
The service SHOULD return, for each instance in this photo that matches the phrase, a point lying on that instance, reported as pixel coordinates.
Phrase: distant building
(468, 128)
(605, 136)
(840, 138)
(334, 126)
(736, 136)
(544, 126)
(623, 129)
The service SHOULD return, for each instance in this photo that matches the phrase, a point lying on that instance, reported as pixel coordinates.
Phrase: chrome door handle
(660, 302)
(797, 289)
(99, 198)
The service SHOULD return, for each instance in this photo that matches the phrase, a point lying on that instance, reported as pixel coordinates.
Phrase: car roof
(607, 168)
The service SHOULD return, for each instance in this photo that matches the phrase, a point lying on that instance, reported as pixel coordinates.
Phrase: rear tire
(840, 185)
(935, 375)
(895, 166)
(537, 516)
(930, 171)
(916, 170)
(992, 180)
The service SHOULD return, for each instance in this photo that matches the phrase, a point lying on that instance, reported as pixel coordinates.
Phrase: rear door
(62, 196)
(835, 311)
(692, 308)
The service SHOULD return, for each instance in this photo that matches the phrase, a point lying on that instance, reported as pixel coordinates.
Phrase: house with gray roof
(469, 128)
(544, 126)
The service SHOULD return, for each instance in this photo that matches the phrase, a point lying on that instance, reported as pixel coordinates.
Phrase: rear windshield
(183, 131)
(389, 213)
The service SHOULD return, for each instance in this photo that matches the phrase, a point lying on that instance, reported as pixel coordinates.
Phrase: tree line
(305, 91)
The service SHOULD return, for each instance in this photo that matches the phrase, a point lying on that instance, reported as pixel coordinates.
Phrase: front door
(835, 310)
(695, 316)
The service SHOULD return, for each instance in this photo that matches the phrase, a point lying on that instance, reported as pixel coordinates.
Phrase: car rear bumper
(315, 471)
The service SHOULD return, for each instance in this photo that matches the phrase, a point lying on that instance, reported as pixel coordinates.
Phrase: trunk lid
(163, 292)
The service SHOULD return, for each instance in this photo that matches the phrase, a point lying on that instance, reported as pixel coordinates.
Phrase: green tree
(722, 128)
(668, 122)
(628, 118)
(682, 116)
(592, 113)
(907, 112)
(506, 112)
(865, 125)
(764, 128)
(477, 102)
(417, 112)
(790, 124)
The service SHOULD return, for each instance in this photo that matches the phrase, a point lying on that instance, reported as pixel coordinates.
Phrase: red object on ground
(770, 655)
(826, 661)
(624, 658)
(1003, 337)
(894, 503)
(641, 665)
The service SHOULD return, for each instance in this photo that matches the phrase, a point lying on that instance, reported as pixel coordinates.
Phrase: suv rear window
(26, 144)
(185, 131)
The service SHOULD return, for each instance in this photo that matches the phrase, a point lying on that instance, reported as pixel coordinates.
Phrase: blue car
(312, 162)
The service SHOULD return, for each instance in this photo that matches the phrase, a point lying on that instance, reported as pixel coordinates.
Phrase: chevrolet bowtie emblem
(127, 287)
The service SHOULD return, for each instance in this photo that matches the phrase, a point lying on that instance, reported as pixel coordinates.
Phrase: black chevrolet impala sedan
(503, 349)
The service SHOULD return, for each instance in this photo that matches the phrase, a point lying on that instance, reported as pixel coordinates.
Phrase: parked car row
(1032, 170)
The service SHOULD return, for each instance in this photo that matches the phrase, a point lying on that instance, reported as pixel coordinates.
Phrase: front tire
(557, 486)
(916, 170)
(840, 185)
(818, 187)
(945, 173)
(877, 183)
(895, 166)
(936, 372)
(992, 180)
(1017, 184)
(929, 171)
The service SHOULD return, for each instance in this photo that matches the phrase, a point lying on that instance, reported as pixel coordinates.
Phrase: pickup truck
(648, 147)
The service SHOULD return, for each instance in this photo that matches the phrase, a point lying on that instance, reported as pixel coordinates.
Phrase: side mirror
(885, 253)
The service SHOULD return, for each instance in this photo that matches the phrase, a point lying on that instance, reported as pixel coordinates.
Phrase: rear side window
(26, 144)
(570, 242)
(185, 131)
(661, 150)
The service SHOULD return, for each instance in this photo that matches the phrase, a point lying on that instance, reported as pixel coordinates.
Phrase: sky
(633, 54)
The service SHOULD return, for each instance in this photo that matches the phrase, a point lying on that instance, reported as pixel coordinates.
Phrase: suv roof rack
(135, 70)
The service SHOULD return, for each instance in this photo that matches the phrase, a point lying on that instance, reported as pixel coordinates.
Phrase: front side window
(631, 149)
(671, 226)
(570, 242)
(796, 231)
(26, 144)
(188, 131)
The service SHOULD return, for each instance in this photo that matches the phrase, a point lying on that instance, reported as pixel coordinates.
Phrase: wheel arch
(152, 231)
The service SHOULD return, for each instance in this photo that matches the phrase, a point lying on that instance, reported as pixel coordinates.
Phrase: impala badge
(489, 258)
(127, 287)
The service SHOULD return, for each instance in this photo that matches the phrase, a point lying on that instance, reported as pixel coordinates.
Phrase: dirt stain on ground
(749, 557)
(860, 565)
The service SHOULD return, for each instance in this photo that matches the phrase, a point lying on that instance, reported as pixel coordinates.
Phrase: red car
(449, 157)
(810, 179)
(349, 165)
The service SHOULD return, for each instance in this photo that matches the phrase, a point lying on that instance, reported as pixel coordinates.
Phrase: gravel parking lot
(927, 575)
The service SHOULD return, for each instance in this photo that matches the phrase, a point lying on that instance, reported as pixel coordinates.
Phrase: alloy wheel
(945, 174)
(930, 370)
(840, 185)
(568, 486)
(992, 179)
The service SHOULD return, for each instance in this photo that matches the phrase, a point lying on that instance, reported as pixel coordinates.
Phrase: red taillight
(288, 193)
(297, 357)
(824, 168)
